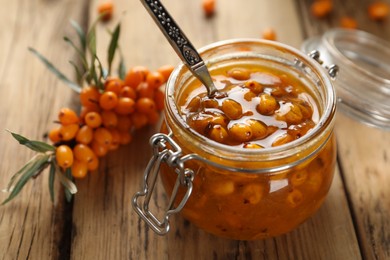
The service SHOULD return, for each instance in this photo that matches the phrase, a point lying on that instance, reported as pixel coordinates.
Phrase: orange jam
(283, 112)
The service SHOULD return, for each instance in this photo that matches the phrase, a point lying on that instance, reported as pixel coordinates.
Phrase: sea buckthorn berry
(241, 132)
(144, 90)
(139, 120)
(232, 109)
(269, 34)
(155, 79)
(279, 91)
(85, 110)
(378, 11)
(106, 10)
(259, 129)
(55, 135)
(93, 164)
(210, 103)
(223, 187)
(102, 136)
(108, 100)
(248, 96)
(208, 7)
(199, 122)
(145, 105)
(153, 117)
(294, 116)
(135, 76)
(254, 86)
(116, 138)
(159, 99)
(115, 85)
(124, 123)
(219, 119)
(294, 198)
(297, 178)
(83, 153)
(284, 139)
(321, 8)
(125, 106)
(348, 22)
(306, 110)
(252, 193)
(218, 134)
(84, 135)
(129, 92)
(93, 119)
(267, 105)
(89, 97)
(64, 156)
(252, 146)
(166, 71)
(79, 169)
(125, 137)
(67, 116)
(109, 119)
(239, 73)
(194, 104)
(99, 149)
(68, 132)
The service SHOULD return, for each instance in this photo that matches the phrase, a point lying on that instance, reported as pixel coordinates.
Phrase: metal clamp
(165, 150)
(332, 69)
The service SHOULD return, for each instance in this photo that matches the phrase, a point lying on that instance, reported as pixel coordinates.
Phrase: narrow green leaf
(113, 46)
(68, 192)
(33, 145)
(52, 173)
(81, 34)
(122, 67)
(80, 52)
(79, 74)
(67, 181)
(19, 172)
(56, 72)
(91, 41)
(30, 171)
(102, 75)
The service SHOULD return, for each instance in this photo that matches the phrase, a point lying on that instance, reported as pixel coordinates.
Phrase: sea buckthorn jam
(257, 159)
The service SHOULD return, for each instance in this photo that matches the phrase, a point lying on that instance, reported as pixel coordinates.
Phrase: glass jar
(363, 84)
(240, 193)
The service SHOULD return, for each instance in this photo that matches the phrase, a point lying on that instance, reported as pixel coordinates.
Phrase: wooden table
(353, 223)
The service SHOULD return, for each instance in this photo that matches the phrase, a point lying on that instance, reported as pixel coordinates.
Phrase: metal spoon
(180, 44)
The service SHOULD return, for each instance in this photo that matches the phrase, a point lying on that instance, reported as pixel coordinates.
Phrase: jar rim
(326, 118)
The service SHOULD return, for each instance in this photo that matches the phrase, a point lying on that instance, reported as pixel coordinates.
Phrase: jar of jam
(254, 162)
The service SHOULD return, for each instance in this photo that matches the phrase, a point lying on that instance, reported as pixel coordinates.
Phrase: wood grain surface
(353, 223)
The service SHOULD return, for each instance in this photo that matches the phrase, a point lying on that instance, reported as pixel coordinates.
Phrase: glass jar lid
(363, 82)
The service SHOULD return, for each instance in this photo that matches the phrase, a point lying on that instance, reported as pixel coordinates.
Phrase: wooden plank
(363, 151)
(105, 226)
(30, 96)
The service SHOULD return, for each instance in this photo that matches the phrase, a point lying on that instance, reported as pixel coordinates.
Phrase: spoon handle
(183, 47)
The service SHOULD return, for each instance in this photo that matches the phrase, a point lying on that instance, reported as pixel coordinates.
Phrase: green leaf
(79, 74)
(81, 34)
(56, 72)
(66, 180)
(91, 41)
(34, 145)
(113, 46)
(121, 67)
(68, 190)
(36, 166)
(52, 173)
(80, 52)
(19, 172)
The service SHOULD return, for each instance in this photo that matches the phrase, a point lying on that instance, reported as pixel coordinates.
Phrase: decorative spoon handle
(180, 43)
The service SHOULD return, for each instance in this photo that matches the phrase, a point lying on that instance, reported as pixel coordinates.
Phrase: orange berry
(125, 137)
(99, 149)
(166, 71)
(348, 23)
(84, 135)
(64, 156)
(208, 7)
(153, 117)
(93, 164)
(269, 34)
(124, 123)
(145, 105)
(86, 110)
(93, 119)
(68, 132)
(321, 8)
(89, 97)
(109, 118)
(115, 85)
(129, 92)
(106, 9)
(79, 169)
(55, 135)
(67, 116)
(115, 142)
(159, 98)
(139, 120)
(125, 106)
(108, 100)
(102, 136)
(135, 76)
(378, 11)
(82, 152)
(155, 79)
(144, 90)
